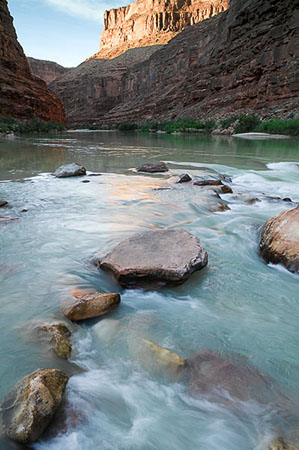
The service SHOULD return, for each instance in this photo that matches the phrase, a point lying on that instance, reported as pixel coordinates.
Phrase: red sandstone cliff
(22, 95)
(46, 70)
(152, 22)
(244, 59)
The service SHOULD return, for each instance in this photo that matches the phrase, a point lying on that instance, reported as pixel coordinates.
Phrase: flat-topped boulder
(86, 304)
(163, 257)
(69, 170)
(279, 241)
(30, 407)
(153, 168)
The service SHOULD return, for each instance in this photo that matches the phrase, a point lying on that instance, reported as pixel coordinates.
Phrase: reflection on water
(238, 306)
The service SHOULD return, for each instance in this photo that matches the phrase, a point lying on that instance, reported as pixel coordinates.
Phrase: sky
(64, 31)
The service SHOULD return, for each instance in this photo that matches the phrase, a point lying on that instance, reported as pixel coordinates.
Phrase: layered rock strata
(246, 58)
(93, 88)
(46, 70)
(152, 22)
(22, 95)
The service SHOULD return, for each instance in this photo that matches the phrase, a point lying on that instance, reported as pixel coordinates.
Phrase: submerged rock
(280, 444)
(184, 178)
(30, 406)
(86, 304)
(165, 359)
(69, 170)
(211, 374)
(106, 329)
(153, 167)
(59, 338)
(3, 203)
(279, 241)
(163, 256)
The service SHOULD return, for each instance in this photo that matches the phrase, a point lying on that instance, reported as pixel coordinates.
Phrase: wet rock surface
(220, 378)
(86, 304)
(163, 256)
(168, 361)
(59, 335)
(30, 407)
(207, 183)
(153, 168)
(3, 203)
(184, 178)
(279, 241)
(69, 170)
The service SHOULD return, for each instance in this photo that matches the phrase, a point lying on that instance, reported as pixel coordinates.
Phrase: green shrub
(279, 126)
(247, 123)
(8, 124)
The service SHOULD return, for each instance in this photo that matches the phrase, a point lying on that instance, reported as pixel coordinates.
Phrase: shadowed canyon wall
(152, 22)
(243, 59)
(46, 70)
(22, 95)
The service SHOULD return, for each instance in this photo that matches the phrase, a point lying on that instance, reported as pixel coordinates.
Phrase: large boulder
(163, 257)
(153, 167)
(86, 304)
(69, 170)
(279, 241)
(29, 408)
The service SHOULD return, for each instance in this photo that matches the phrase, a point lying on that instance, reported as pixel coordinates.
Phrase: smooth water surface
(238, 306)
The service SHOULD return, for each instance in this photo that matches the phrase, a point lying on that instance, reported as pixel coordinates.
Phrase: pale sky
(64, 31)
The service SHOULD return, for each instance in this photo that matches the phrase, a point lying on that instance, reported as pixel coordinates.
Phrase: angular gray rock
(153, 167)
(69, 170)
(29, 408)
(163, 257)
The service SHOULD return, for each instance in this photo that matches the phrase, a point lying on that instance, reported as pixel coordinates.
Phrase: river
(238, 306)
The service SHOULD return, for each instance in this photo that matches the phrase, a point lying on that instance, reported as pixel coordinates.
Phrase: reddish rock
(151, 22)
(243, 59)
(279, 242)
(46, 70)
(22, 95)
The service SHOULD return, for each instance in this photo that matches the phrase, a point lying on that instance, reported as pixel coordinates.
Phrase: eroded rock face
(155, 257)
(30, 406)
(46, 70)
(151, 22)
(93, 88)
(69, 170)
(153, 168)
(86, 304)
(279, 241)
(22, 95)
(243, 59)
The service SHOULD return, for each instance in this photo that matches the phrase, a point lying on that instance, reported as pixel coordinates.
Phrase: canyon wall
(22, 95)
(94, 87)
(245, 59)
(152, 22)
(46, 70)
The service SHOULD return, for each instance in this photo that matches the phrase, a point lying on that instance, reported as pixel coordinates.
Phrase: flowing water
(238, 306)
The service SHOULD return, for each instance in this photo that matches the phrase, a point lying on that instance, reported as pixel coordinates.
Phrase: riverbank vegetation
(11, 125)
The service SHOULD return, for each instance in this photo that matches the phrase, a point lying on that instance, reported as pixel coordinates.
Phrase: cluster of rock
(154, 259)
(22, 95)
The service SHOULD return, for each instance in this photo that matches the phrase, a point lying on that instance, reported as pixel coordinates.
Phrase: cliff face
(244, 59)
(46, 70)
(92, 89)
(21, 94)
(152, 22)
